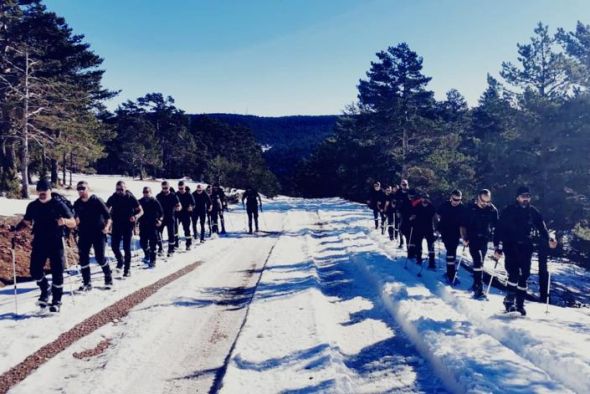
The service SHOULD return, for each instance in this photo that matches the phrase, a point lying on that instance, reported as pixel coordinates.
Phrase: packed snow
(316, 302)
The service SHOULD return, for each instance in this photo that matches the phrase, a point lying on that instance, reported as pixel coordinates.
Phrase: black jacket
(423, 222)
(376, 199)
(390, 203)
(152, 212)
(251, 197)
(404, 205)
(202, 202)
(186, 201)
(480, 222)
(93, 215)
(168, 202)
(521, 225)
(123, 206)
(450, 220)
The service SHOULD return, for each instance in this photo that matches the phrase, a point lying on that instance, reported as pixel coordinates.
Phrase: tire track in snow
(414, 307)
(558, 362)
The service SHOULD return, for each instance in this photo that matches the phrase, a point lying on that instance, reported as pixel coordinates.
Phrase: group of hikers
(410, 216)
(52, 216)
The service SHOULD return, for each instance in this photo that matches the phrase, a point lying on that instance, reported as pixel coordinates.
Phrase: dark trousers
(252, 214)
(214, 221)
(148, 240)
(201, 217)
(478, 247)
(122, 232)
(376, 215)
(97, 241)
(429, 237)
(391, 224)
(406, 230)
(518, 266)
(170, 225)
(54, 251)
(451, 246)
(185, 220)
(222, 221)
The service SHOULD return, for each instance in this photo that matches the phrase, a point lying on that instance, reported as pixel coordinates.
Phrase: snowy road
(318, 302)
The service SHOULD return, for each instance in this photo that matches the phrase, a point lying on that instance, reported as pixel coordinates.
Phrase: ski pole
(458, 265)
(63, 242)
(262, 219)
(408, 247)
(13, 252)
(548, 292)
(492, 276)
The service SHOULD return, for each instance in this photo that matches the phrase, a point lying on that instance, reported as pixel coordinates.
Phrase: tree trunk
(64, 165)
(71, 167)
(24, 149)
(54, 175)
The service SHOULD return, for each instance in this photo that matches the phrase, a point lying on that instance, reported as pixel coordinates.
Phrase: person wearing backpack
(93, 220)
(49, 216)
(124, 210)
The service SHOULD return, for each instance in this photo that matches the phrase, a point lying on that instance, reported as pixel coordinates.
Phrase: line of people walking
(53, 217)
(410, 217)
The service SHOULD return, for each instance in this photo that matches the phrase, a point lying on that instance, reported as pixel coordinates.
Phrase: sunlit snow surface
(318, 302)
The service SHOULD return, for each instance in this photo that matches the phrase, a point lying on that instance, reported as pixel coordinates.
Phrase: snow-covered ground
(318, 302)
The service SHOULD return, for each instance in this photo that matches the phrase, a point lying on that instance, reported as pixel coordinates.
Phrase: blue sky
(287, 57)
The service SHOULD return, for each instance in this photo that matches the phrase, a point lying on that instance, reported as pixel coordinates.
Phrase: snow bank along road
(317, 302)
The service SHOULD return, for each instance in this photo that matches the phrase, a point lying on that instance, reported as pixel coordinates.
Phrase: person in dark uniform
(422, 221)
(93, 220)
(150, 221)
(481, 218)
(390, 212)
(253, 201)
(376, 202)
(48, 216)
(170, 205)
(209, 193)
(404, 207)
(450, 215)
(202, 209)
(187, 204)
(396, 214)
(520, 223)
(124, 210)
(219, 205)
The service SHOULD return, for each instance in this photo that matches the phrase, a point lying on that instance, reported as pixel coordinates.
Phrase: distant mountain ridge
(290, 138)
(282, 129)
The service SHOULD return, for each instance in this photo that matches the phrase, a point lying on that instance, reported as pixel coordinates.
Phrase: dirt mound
(23, 252)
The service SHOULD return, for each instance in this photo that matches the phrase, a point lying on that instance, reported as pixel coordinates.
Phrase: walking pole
(63, 242)
(262, 219)
(408, 247)
(548, 289)
(458, 266)
(492, 275)
(13, 252)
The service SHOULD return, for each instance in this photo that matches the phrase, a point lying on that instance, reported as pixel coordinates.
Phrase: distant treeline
(287, 140)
